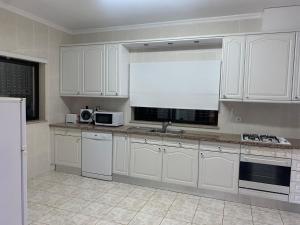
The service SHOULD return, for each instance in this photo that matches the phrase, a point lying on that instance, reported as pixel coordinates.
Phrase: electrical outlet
(238, 119)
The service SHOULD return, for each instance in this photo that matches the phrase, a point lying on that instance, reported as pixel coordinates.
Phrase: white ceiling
(86, 14)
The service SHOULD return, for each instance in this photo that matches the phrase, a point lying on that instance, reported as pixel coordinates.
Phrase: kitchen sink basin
(169, 131)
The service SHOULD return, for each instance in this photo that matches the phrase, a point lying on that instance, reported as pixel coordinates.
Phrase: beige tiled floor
(64, 199)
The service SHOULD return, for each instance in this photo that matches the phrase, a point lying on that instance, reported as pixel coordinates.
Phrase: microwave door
(104, 119)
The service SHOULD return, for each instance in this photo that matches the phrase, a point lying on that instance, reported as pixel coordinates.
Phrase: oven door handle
(267, 161)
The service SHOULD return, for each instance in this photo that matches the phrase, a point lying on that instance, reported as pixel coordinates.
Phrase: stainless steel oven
(269, 175)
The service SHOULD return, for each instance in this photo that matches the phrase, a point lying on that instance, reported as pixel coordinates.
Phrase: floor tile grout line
(252, 218)
(165, 216)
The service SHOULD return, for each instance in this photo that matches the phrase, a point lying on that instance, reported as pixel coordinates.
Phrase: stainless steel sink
(168, 131)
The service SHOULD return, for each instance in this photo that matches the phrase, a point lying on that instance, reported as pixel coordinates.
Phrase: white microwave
(114, 119)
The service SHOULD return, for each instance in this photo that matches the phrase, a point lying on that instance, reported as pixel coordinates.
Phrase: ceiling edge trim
(170, 23)
(33, 17)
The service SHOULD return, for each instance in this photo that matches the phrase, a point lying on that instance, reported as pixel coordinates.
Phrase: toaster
(71, 118)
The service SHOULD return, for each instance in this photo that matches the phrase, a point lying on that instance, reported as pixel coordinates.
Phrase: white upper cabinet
(117, 70)
(180, 166)
(120, 154)
(93, 70)
(296, 87)
(269, 67)
(233, 67)
(218, 171)
(70, 70)
(112, 70)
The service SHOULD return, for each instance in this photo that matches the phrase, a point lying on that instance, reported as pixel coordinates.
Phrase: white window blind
(179, 85)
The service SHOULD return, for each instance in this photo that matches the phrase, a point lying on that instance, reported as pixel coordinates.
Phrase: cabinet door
(218, 171)
(120, 154)
(112, 70)
(180, 166)
(93, 70)
(70, 70)
(269, 66)
(146, 161)
(233, 67)
(296, 88)
(68, 150)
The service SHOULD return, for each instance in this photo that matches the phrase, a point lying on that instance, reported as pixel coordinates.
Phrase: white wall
(24, 36)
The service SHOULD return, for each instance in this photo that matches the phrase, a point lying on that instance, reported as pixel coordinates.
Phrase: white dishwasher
(97, 155)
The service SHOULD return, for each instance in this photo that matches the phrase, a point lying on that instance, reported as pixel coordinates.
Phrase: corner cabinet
(296, 87)
(233, 57)
(94, 71)
(71, 63)
(120, 154)
(218, 171)
(269, 67)
(67, 147)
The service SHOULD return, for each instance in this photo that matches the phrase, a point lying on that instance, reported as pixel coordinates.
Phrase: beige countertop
(191, 135)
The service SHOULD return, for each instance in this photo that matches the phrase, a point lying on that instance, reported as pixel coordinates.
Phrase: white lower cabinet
(68, 149)
(120, 154)
(146, 161)
(180, 166)
(218, 171)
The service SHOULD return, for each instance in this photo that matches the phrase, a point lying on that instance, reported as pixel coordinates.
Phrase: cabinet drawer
(295, 176)
(68, 132)
(271, 152)
(191, 144)
(146, 140)
(295, 187)
(296, 165)
(220, 147)
(295, 198)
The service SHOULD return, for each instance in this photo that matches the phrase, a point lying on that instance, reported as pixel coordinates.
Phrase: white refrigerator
(13, 162)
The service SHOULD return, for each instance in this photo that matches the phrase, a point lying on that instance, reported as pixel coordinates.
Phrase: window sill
(183, 125)
(36, 122)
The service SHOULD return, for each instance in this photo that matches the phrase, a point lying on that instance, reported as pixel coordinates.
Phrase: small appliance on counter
(264, 138)
(71, 118)
(86, 115)
(104, 118)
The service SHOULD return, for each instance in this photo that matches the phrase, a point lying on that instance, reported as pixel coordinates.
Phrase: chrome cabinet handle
(219, 148)
(159, 149)
(202, 155)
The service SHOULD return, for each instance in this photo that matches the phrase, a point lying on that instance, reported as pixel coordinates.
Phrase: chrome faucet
(165, 126)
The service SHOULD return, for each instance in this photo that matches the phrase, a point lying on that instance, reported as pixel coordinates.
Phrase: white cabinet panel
(120, 154)
(233, 67)
(218, 171)
(180, 166)
(70, 70)
(146, 161)
(296, 87)
(93, 70)
(269, 66)
(67, 150)
(112, 70)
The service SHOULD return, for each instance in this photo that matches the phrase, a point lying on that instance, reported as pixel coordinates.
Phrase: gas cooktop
(264, 138)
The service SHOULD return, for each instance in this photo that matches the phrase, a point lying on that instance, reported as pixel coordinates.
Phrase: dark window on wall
(19, 78)
(184, 116)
